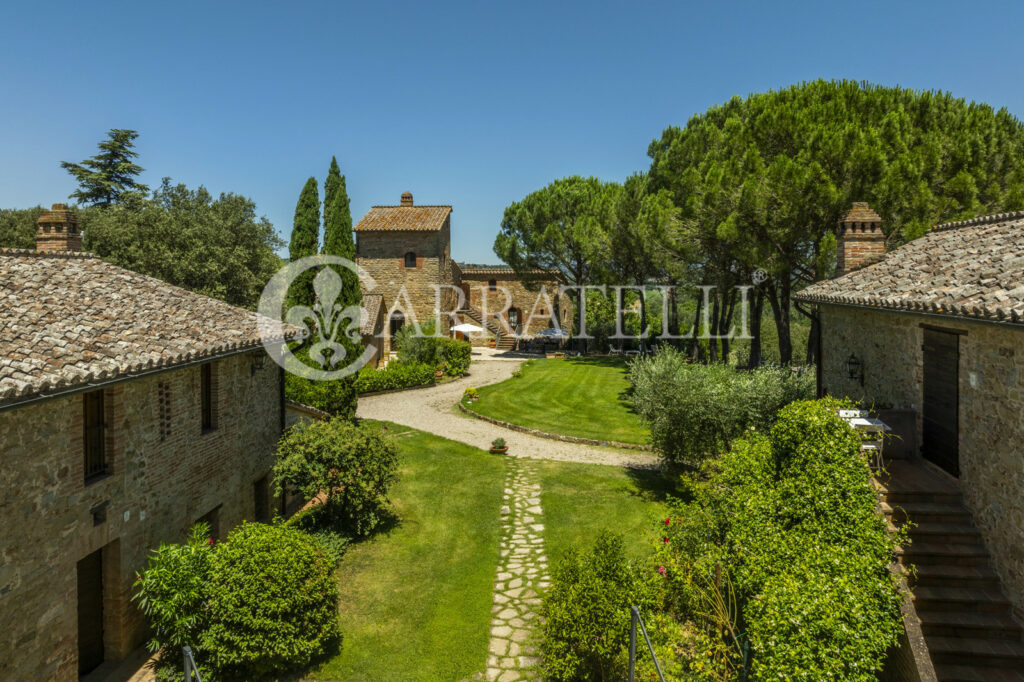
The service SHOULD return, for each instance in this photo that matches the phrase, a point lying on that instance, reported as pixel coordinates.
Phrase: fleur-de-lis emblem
(329, 320)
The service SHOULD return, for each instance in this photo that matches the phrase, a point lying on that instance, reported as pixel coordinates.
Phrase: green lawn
(582, 397)
(416, 599)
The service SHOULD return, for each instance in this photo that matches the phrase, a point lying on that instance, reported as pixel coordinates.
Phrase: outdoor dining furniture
(872, 432)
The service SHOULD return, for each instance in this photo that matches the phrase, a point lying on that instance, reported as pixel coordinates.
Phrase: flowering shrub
(696, 410)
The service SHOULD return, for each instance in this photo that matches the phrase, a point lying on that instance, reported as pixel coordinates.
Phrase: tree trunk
(755, 330)
(643, 319)
(673, 313)
(779, 299)
(723, 327)
(695, 348)
(713, 341)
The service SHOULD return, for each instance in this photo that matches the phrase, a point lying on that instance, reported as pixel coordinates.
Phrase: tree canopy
(214, 246)
(109, 177)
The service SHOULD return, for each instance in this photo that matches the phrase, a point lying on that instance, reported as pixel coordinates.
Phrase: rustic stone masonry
(57, 230)
(492, 290)
(164, 474)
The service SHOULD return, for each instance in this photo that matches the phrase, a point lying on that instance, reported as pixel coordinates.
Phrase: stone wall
(412, 291)
(991, 411)
(524, 295)
(165, 474)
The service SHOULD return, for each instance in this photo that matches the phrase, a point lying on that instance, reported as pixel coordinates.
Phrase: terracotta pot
(438, 374)
(499, 451)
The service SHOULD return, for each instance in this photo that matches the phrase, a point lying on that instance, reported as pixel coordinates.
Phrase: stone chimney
(406, 198)
(861, 240)
(57, 230)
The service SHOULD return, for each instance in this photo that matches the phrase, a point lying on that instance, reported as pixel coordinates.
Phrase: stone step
(970, 624)
(970, 673)
(981, 600)
(927, 512)
(951, 575)
(977, 652)
(935, 552)
(903, 498)
(955, 533)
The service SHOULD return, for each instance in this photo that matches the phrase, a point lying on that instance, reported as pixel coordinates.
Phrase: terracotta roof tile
(371, 309)
(971, 268)
(68, 319)
(400, 218)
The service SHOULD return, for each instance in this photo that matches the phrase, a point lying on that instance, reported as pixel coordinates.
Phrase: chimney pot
(406, 198)
(861, 240)
(57, 230)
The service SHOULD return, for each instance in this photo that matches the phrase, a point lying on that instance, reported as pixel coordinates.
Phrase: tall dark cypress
(305, 242)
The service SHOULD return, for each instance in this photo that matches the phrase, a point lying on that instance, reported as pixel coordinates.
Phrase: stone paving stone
(521, 573)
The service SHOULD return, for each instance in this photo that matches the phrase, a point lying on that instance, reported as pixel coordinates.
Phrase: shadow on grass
(655, 484)
(599, 361)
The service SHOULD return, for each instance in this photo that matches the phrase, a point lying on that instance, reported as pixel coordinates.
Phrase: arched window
(410, 260)
(492, 284)
(397, 322)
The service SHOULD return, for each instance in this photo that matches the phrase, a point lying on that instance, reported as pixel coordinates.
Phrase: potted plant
(498, 446)
(517, 373)
(440, 370)
(492, 343)
(471, 394)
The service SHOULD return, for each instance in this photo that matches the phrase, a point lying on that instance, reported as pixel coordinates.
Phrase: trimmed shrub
(348, 468)
(437, 351)
(396, 375)
(586, 612)
(791, 516)
(455, 355)
(273, 603)
(337, 397)
(696, 410)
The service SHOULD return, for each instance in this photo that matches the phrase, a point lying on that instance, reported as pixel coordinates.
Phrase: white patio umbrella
(466, 328)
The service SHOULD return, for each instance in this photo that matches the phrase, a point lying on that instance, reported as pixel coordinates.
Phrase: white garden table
(872, 432)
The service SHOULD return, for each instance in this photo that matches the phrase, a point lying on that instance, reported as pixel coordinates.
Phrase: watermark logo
(324, 325)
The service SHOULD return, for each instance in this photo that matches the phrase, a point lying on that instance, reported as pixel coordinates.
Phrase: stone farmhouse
(932, 334)
(130, 409)
(406, 250)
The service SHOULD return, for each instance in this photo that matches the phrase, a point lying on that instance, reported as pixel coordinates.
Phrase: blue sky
(472, 104)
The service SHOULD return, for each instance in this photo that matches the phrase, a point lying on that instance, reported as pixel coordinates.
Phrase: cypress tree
(338, 241)
(305, 242)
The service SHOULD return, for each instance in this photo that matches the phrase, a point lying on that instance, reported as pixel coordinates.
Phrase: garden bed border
(555, 436)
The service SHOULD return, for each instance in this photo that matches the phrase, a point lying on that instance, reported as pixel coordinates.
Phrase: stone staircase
(966, 620)
(503, 341)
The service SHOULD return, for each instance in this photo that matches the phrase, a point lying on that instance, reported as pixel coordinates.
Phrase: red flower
(668, 521)
(665, 540)
(661, 569)
(209, 541)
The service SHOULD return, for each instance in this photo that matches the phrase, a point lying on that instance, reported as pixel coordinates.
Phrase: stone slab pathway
(522, 575)
(434, 410)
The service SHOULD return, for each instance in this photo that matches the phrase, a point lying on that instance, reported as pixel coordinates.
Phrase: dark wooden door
(90, 612)
(940, 439)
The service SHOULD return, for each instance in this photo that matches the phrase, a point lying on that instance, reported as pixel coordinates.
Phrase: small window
(212, 519)
(207, 396)
(95, 436)
(410, 260)
(492, 284)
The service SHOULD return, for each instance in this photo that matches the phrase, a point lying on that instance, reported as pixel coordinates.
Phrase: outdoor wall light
(259, 361)
(855, 368)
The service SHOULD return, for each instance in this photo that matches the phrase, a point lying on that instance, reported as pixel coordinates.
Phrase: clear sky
(472, 104)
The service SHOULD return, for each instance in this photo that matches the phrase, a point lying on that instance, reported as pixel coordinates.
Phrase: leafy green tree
(217, 247)
(109, 177)
(560, 227)
(305, 242)
(18, 227)
(763, 181)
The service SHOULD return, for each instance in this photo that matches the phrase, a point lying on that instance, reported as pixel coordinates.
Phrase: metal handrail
(190, 665)
(632, 644)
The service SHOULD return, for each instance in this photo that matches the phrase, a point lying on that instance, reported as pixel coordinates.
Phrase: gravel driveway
(434, 410)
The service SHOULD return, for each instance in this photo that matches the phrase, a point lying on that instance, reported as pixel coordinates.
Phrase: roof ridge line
(4, 251)
(980, 220)
(414, 206)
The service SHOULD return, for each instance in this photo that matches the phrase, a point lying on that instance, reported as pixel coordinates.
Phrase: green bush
(337, 397)
(791, 515)
(273, 603)
(696, 410)
(396, 375)
(172, 591)
(586, 612)
(348, 468)
(437, 351)
(261, 603)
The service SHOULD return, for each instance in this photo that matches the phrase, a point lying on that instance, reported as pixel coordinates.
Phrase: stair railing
(632, 644)
(190, 664)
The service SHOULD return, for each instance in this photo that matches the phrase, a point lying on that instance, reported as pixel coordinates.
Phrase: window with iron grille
(95, 435)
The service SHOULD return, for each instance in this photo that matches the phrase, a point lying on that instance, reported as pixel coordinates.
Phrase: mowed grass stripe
(582, 397)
